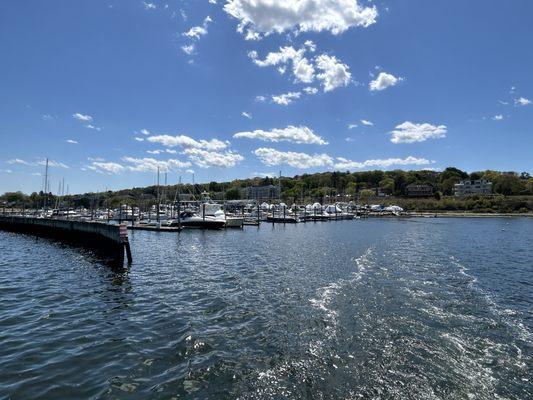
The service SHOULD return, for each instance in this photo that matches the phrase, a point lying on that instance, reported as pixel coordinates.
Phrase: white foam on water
(269, 381)
(506, 315)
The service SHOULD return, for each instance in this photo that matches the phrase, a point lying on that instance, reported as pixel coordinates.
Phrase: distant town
(448, 190)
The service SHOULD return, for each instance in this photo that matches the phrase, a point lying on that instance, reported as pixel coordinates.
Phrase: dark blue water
(382, 309)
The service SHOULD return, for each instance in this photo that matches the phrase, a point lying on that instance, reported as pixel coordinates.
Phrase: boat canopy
(332, 209)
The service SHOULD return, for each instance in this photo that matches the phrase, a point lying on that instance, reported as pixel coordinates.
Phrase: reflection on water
(420, 308)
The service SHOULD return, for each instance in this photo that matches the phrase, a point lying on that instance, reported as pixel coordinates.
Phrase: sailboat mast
(45, 186)
(158, 195)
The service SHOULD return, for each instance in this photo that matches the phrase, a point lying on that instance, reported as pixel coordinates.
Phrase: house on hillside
(261, 193)
(472, 187)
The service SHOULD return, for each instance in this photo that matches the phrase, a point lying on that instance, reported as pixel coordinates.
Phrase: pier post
(125, 242)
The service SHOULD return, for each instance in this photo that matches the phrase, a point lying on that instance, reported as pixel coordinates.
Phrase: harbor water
(420, 308)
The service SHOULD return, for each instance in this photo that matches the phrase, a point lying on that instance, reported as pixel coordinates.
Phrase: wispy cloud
(149, 6)
(197, 31)
(522, 101)
(82, 117)
(96, 128)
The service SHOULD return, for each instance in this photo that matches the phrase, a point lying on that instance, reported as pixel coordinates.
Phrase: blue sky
(109, 90)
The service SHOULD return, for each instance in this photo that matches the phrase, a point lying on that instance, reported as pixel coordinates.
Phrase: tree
(351, 188)
(447, 185)
(387, 184)
(233, 194)
(365, 194)
(509, 184)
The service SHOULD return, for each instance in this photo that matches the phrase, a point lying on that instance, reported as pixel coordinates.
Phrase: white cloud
(189, 49)
(47, 117)
(246, 115)
(206, 159)
(269, 156)
(186, 141)
(310, 90)
(367, 123)
(53, 164)
(334, 73)
(260, 99)
(293, 134)
(310, 45)
(258, 17)
(302, 69)
(72, 141)
(197, 31)
(522, 101)
(498, 117)
(17, 161)
(96, 128)
(149, 6)
(383, 81)
(409, 132)
(139, 139)
(106, 167)
(352, 126)
(151, 164)
(82, 117)
(286, 98)
(145, 131)
(138, 165)
(344, 164)
(161, 151)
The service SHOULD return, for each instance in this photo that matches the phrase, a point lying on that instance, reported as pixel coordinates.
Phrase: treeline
(300, 188)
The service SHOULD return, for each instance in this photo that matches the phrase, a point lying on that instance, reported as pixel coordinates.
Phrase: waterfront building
(261, 193)
(419, 190)
(471, 187)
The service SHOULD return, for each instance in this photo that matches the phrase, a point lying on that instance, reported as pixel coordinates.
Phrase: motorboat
(190, 219)
(215, 210)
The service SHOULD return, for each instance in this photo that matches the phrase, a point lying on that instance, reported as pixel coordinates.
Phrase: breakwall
(103, 238)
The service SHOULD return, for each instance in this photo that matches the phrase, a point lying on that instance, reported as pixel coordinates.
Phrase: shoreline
(455, 214)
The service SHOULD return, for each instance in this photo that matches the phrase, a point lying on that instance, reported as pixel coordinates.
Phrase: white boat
(215, 210)
(190, 219)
